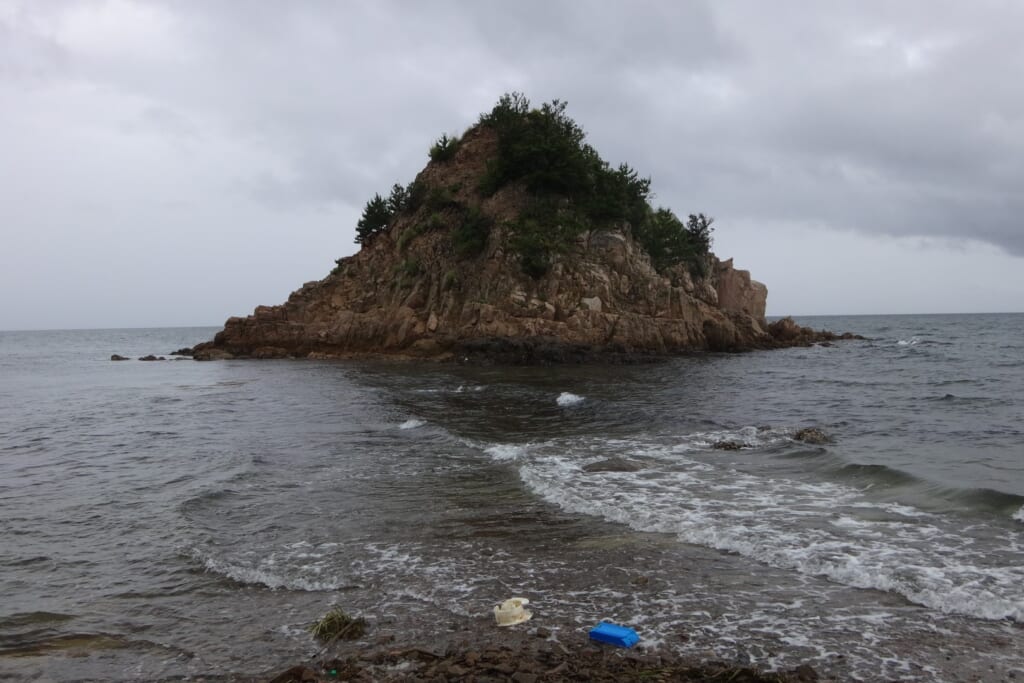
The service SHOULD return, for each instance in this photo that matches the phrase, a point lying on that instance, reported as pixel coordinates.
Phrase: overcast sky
(175, 163)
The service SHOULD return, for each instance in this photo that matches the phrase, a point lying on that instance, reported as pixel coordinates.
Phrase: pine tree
(374, 221)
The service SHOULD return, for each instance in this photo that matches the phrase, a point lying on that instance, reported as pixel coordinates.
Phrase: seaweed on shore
(337, 625)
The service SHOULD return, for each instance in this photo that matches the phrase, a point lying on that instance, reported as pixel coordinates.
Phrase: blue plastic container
(613, 634)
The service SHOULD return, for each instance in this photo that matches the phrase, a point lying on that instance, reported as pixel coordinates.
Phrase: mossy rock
(336, 624)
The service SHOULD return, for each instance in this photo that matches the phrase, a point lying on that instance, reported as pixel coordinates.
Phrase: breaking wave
(825, 529)
(294, 568)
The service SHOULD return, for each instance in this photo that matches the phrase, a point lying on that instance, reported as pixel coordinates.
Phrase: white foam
(411, 424)
(566, 399)
(913, 341)
(505, 452)
(1019, 514)
(752, 437)
(265, 573)
(815, 528)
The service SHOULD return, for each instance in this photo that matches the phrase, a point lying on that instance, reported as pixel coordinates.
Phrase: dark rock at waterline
(812, 435)
(538, 661)
(186, 351)
(152, 357)
(786, 332)
(545, 351)
(117, 357)
(297, 674)
(612, 465)
(727, 445)
(206, 351)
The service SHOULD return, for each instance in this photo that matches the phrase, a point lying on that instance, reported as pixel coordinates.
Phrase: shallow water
(181, 518)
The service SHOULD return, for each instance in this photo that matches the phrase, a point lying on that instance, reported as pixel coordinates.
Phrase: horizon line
(767, 315)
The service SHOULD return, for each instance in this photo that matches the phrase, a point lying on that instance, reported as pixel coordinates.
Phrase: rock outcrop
(409, 293)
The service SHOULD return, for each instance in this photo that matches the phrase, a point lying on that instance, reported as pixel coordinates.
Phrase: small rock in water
(727, 445)
(296, 674)
(812, 435)
(612, 465)
(804, 673)
(117, 357)
(152, 357)
(186, 351)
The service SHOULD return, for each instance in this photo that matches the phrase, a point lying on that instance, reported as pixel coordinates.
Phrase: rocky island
(518, 243)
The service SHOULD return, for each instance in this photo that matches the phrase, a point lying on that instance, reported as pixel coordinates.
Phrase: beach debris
(118, 357)
(511, 612)
(613, 634)
(812, 435)
(337, 625)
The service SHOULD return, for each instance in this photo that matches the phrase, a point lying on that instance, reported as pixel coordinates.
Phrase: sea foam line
(821, 529)
(284, 577)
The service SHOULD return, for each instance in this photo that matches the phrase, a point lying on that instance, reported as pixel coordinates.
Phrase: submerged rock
(727, 445)
(152, 357)
(117, 357)
(812, 435)
(612, 465)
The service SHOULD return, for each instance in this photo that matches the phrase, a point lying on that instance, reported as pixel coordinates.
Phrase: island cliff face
(409, 293)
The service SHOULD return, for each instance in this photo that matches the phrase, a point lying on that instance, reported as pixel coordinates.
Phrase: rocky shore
(522, 655)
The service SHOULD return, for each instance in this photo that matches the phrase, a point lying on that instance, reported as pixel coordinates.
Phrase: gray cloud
(872, 118)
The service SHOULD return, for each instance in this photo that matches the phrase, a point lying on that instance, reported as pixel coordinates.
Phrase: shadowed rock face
(416, 297)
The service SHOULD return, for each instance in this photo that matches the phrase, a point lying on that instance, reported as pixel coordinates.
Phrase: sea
(175, 520)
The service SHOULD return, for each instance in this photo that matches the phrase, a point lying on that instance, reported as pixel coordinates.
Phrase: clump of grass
(445, 148)
(407, 236)
(440, 198)
(451, 279)
(470, 237)
(337, 625)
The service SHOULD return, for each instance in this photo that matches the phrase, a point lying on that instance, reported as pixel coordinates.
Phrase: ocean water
(175, 519)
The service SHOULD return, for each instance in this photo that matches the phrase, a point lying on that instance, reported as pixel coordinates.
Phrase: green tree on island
(570, 190)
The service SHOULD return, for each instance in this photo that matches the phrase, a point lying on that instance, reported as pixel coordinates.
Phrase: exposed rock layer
(407, 293)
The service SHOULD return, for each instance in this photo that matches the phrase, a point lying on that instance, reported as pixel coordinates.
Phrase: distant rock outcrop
(410, 292)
